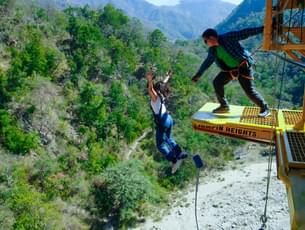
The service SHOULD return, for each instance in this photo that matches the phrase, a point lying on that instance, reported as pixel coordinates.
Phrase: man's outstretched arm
(245, 33)
(204, 66)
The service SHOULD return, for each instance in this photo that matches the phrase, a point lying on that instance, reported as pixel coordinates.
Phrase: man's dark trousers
(224, 77)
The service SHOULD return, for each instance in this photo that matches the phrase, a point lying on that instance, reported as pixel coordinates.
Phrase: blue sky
(174, 2)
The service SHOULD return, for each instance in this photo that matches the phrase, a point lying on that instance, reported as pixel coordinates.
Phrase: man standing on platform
(235, 63)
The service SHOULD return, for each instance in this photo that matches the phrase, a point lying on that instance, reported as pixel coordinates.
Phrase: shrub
(98, 159)
(13, 138)
(30, 209)
(121, 190)
(4, 96)
(180, 178)
(48, 177)
(6, 218)
(35, 57)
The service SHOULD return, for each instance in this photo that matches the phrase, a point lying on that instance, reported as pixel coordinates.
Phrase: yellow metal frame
(301, 124)
(267, 41)
(272, 37)
(294, 183)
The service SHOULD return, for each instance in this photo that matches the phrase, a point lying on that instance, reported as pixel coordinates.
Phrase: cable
(299, 64)
(301, 25)
(289, 24)
(264, 218)
(282, 83)
(196, 196)
(199, 165)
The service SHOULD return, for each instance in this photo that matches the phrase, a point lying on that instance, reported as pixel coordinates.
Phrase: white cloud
(163, 2)
(175, 2)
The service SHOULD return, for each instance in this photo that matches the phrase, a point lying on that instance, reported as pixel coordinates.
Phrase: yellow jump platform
(243, 122)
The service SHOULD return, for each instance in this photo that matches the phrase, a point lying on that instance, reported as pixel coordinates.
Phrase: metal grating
(250, 115)
(297, 146)
(292, 117)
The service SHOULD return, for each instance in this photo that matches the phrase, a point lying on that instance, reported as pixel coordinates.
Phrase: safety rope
(264, 217)
(289, 24)
(299, 64)
(196, 198)
(301, 23)
(199, 165)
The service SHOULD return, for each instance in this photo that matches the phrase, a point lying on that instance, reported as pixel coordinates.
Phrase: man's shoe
(176, 166)
(222, 109)
(265, 112)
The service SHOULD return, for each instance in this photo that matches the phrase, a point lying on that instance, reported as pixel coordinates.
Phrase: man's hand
(195, 78)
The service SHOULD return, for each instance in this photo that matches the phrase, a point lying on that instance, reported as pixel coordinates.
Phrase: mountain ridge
(249, 13)
(183, 21)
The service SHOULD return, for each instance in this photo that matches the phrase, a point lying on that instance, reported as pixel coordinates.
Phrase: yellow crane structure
(284, 31)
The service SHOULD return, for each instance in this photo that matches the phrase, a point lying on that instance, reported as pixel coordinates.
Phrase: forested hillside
(247, 13)
(74, 103)
(186, 20)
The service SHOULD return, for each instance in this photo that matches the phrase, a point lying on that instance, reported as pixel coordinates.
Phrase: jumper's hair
(162, 88)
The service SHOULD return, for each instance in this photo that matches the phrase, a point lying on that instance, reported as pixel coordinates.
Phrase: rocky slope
(230, 199)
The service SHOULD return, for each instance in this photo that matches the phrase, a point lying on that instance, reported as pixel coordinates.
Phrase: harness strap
(235, 73)
(158, 116)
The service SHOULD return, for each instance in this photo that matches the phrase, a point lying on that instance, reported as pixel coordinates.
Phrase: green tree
(98, 160)
(121, 55)
(112, 16)
(156, 38)
(85, 41)
(30, 208)
(4, 95)
(93, 109)
(13, 138)
(121, 190)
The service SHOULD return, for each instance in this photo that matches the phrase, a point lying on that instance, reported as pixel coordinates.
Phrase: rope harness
(235, 73)
(159, 117)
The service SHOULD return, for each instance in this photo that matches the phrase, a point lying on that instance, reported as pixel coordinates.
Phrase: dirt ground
(230, 199)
